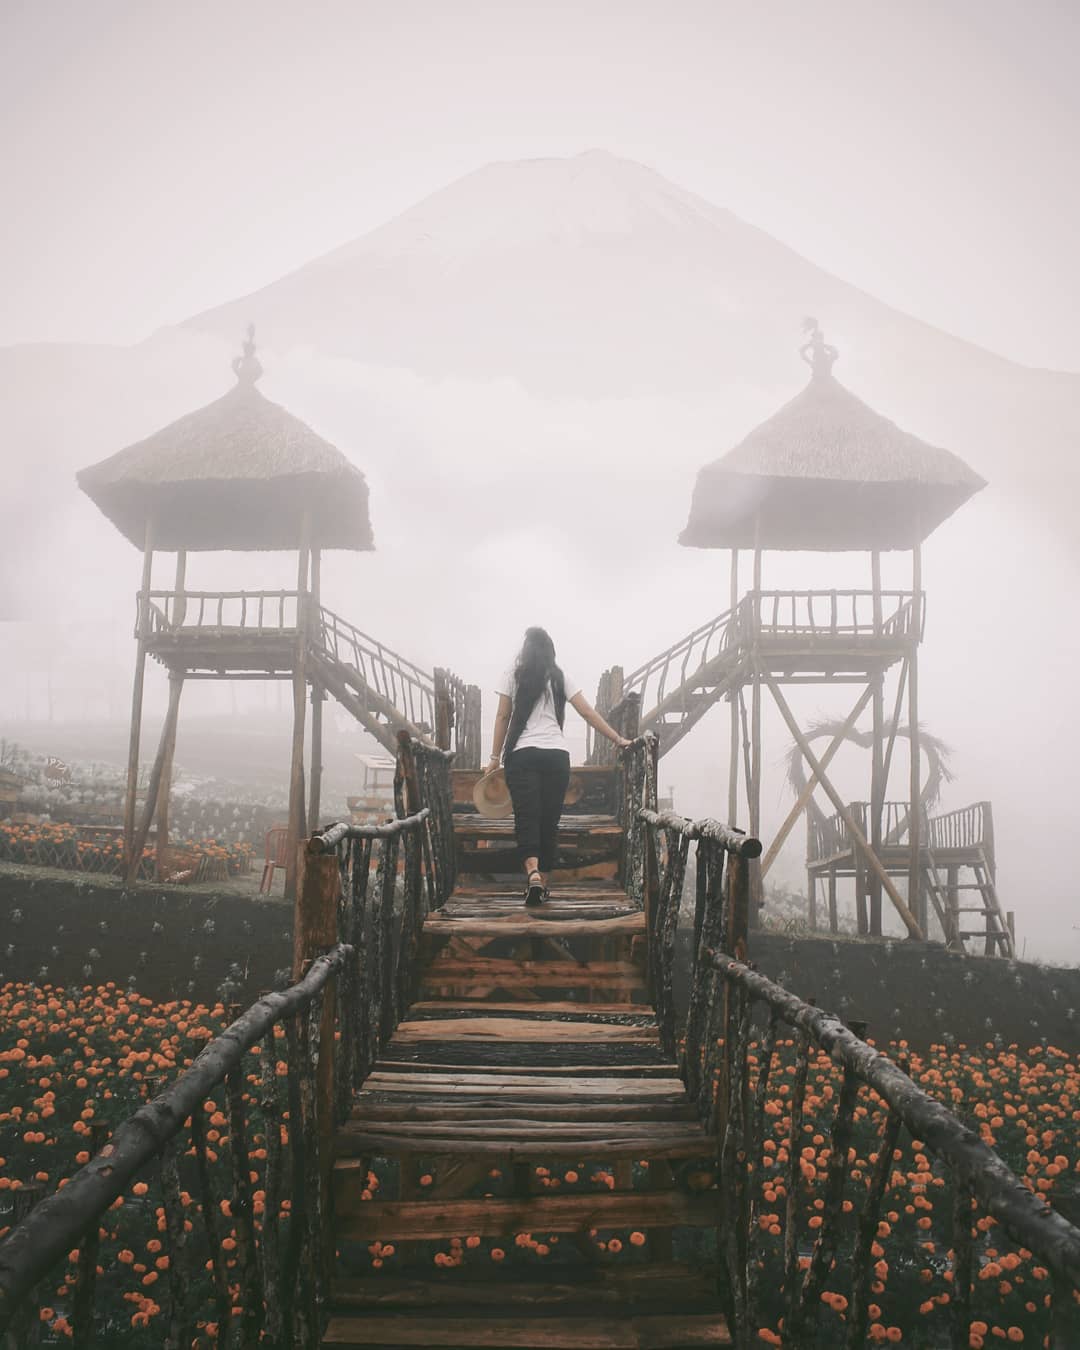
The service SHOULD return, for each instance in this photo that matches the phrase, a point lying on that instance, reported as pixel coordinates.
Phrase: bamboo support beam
(141, 626)
(168, 739)
(297, 820)
(318, 698)
(873, 862)
(733, 759)
(161, 841)
(804, 796)
(915, 896)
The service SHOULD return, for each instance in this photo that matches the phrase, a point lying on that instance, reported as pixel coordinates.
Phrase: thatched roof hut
(237, 474)
(826, 473)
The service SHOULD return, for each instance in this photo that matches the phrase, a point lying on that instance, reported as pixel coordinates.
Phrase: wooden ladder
(995, 931)
(523, 1166)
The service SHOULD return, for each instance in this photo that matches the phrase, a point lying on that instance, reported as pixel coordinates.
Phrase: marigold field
(71, 1058)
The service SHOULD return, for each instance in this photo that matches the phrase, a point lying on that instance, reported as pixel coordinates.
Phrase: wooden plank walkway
(531, 1131)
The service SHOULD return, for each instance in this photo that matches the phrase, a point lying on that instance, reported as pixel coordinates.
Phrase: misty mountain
(596, 277)
(529, 367)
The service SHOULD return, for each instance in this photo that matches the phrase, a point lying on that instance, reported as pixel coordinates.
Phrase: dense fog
(531, 268)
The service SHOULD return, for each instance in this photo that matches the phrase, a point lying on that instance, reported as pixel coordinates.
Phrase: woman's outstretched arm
(502, 721)
(582, 705)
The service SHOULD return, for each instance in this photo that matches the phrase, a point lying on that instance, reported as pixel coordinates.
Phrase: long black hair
(534, 671)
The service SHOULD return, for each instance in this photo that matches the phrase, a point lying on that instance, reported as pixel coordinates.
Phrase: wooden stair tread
(503, 972)
(576, 1087)
(639, 1283)
(395, 1107)
(639, 1014)
(516, 1144)
(649, 1331)
(595, 889)
(521, 1029)
(648, 1068)
(551, 913)
(468, 825)
(366, 1220)
(524, 922)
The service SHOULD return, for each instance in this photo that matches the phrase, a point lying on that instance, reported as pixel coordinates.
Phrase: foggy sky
(161, 159)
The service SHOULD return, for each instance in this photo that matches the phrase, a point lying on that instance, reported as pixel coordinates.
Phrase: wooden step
(635, 1014)
(630, 1287)
(597, 889)
(523, 922)
(533, 1087)
(471, 827)
(500, 973)
(645, 1332)
(550, 913)
(358, 1220)
(396, 1107)
(559, 1064)
(517, 1029)
(519, 1141)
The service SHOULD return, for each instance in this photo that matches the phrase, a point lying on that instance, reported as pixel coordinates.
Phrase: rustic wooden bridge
(532, 1043)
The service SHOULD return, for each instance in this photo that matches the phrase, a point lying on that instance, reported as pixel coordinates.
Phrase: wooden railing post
(469, 746)
(444, 710)
(315, 931)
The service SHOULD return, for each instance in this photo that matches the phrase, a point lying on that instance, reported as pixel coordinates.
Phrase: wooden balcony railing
(831, 614)
(672, 678)
(253, 612)
(969, 827)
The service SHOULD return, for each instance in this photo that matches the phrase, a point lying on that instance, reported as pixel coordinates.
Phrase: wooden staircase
(523, 1167)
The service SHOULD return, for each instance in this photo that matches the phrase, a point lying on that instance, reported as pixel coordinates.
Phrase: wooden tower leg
(168, 739)
(142, 629)
(861, 918)
(297, 822)
(952, 903)
(161, 845)
(306, 615)
(834, 918)
(757, 894)
(877, 797)
(318, 697)
(877, 765)
(132, 789)
(733, 702)
(916, 896)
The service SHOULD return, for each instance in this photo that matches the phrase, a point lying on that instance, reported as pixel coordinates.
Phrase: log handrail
(62, 1220)
(715, 1065)
(979, 1175)
(365, 891)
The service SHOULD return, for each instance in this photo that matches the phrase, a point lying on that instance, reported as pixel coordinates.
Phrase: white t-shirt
(542, 730)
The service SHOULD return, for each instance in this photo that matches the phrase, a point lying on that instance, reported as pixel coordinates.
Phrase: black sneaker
(534, 893)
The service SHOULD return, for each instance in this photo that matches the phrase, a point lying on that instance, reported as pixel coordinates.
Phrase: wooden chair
(277, 849)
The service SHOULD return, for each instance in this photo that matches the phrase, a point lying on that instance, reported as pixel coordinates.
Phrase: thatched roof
(827, 473)
(236, 474)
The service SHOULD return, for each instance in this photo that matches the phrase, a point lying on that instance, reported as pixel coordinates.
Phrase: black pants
(537, 780)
